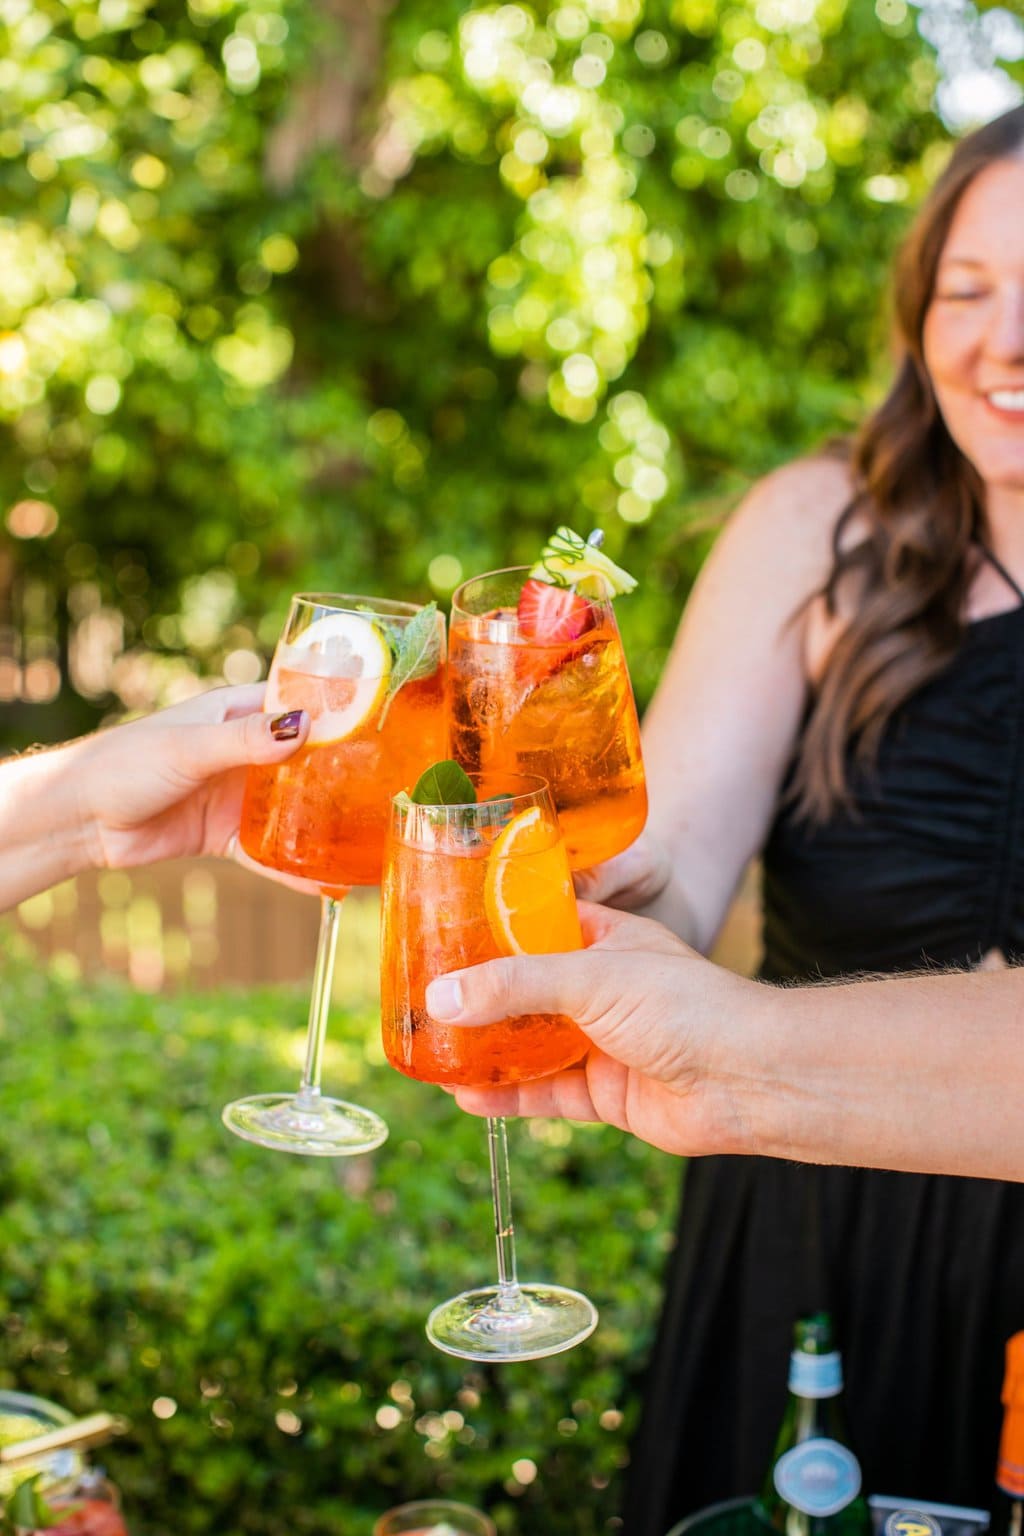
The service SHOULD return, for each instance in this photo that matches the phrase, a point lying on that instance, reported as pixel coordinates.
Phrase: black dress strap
(998, 566)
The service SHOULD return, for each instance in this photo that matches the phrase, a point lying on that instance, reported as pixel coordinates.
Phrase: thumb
(627, 1002)
(205, 750)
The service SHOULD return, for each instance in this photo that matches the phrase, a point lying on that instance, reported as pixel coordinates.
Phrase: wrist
(44, 836)
(75, 771)
(755, 1043)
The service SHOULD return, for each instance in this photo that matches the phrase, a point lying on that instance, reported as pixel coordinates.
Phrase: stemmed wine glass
(464, 883)
(370, 673)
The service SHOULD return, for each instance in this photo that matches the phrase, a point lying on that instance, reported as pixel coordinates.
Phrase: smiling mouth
(1007, 400)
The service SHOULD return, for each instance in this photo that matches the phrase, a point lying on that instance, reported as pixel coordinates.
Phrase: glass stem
(504, 1229)
(320, 1000)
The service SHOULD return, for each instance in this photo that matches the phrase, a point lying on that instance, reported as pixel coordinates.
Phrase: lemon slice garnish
(337, 670)
(528, 892)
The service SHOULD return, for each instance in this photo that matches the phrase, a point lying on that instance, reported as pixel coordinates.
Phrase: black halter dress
(924, 1275)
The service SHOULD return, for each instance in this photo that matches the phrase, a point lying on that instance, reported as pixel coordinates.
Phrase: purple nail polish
(286, 727)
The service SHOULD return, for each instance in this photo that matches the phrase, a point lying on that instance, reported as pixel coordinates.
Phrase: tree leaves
(665, 288)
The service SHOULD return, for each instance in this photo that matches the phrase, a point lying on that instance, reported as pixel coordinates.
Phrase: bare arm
(720, 731)
(921, 1073)
(163, 787)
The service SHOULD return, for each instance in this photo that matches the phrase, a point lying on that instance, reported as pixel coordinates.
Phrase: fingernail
(286, 727)
(444, 998)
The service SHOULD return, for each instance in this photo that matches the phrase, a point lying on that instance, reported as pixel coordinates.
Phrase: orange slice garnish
(528, 891)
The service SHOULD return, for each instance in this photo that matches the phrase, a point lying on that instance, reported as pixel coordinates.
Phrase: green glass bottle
(813, 1486)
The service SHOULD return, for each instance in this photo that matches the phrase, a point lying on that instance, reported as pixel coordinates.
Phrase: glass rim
(357, 603)
(401, 805)
(506, 570)
(421, 1507)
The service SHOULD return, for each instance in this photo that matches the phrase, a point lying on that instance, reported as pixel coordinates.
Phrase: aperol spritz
(370, 673)
(483, 875)
(538, 684)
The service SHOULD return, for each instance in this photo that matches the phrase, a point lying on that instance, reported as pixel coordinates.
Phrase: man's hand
(653, 1010)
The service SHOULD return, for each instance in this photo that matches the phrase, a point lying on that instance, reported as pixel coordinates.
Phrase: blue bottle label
(818, 1477)
(815, 1375)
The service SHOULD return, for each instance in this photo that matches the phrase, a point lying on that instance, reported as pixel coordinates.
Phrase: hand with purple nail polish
(163, 787)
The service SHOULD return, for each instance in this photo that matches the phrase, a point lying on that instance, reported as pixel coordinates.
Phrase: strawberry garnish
(90, 1517)
(550, 615)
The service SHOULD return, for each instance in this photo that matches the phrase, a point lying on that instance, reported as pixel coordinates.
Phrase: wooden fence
(205, 923)
(200, 923)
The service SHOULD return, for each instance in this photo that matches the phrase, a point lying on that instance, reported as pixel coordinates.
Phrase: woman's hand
(170, 785)
(163, 787)
(655, 1012)
(634, 879)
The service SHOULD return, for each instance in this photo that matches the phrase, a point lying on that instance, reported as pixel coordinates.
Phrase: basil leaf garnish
(417, 648)
(444, 783)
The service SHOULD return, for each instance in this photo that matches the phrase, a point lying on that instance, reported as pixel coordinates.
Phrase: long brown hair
(922, 504)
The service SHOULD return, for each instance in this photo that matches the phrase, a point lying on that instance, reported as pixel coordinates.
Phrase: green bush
(152, 1260)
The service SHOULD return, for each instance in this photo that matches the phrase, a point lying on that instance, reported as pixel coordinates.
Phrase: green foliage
(369, 297)
(273, 1306)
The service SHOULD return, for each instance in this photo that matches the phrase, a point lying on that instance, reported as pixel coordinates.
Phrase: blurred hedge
(365, 295)
(151, 1260)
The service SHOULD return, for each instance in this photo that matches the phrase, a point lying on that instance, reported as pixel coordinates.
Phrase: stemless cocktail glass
(370, 673)
(463, 884)
(556, 704)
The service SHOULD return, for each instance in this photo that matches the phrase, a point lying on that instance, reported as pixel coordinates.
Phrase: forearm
(922, 1073)
(43, 839)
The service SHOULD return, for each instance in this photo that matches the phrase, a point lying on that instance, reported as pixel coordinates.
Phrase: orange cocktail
(370, 674)
(464, 884)
(536, 691)
(323, 814)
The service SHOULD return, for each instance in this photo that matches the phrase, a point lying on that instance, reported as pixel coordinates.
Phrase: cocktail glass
(370, 673)
(433, 1517)
(562, 708)
(463, 884)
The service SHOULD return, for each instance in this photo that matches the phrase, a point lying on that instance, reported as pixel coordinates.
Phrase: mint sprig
(26, 1509)
(444, 783)
(417, 653)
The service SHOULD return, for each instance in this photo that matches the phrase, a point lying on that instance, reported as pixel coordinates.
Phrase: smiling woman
(846, 697)
(972, 334)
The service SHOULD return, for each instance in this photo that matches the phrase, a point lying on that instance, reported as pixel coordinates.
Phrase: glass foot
(522, 1323)
(312, 1127)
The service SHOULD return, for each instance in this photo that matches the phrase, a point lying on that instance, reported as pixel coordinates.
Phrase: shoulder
(800, 500)
(785, 526)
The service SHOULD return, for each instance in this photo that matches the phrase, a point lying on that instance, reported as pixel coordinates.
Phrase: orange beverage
(323, 814)
(464, 884)
(561, 707)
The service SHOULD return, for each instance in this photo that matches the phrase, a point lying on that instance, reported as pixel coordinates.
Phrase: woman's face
(974, 327)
